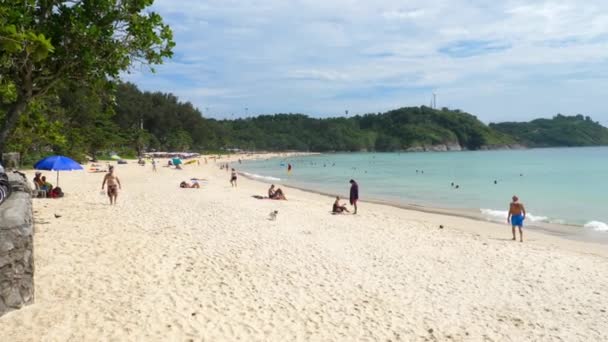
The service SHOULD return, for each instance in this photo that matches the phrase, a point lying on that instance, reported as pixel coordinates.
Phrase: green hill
(176, 125)
(76, 121)
(559, 131)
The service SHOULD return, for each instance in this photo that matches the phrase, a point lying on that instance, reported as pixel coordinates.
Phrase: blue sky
(500, 60)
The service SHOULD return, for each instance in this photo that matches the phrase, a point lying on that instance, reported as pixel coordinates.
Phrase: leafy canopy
(46, 42)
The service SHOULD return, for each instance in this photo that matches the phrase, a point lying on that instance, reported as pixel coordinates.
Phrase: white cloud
(304, 55)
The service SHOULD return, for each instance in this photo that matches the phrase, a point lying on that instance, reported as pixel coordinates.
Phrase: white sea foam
(501, 215)
(260, 177)
(597, 225)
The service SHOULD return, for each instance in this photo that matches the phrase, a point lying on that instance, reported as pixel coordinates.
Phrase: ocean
(562, 186)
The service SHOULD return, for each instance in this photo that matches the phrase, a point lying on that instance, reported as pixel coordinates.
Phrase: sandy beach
(171, 264)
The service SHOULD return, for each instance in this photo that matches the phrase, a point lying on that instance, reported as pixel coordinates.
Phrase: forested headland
(561, 130)
(91, 121)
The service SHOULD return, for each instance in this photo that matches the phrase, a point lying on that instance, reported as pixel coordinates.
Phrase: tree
(46, 42)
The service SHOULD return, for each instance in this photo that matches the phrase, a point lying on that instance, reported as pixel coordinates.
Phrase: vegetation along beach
(303, 171)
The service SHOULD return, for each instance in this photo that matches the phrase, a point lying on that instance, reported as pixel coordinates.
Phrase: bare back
(516, 208)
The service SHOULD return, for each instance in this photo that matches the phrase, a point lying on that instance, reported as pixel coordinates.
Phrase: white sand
(170, 264)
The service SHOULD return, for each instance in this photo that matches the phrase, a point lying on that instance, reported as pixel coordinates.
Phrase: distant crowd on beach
(111, 183)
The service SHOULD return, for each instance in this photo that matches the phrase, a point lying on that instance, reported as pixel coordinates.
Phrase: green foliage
(559, 131)
(96, 120)
(179, 126)
(74, 121)
(46, 43)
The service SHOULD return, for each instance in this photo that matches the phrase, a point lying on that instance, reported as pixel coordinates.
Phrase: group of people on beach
(516, 214)
(45, 188)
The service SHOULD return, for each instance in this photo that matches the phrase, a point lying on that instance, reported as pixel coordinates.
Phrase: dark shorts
(112, 190)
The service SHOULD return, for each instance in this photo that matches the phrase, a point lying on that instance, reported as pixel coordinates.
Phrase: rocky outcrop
(503, 147)
(452, 146)
(16, 247)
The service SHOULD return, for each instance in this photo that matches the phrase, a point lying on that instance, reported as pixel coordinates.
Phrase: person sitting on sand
(185, 184)
(46, 186)
(517, 215)
(276, 194)
(339, 208)
(38, 181)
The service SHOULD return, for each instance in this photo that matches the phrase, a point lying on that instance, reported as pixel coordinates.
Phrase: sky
(507, 60)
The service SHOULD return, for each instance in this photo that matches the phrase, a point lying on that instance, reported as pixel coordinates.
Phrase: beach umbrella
(177, 161)
(115, 157)
(57, 163)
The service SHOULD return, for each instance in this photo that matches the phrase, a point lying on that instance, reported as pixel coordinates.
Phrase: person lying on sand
(276, 194)
(185, 184)
(339, 208)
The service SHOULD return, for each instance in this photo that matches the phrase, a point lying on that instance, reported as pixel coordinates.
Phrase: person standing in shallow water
(517, 215)
(354, 194)
(113, 184)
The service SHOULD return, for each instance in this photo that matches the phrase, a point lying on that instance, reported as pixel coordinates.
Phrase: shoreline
(560, 230)
(176, 264)
(568, 233)
(571, 231)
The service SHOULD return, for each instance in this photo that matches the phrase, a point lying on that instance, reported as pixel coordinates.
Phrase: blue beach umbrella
(177, 161)
(57, 163)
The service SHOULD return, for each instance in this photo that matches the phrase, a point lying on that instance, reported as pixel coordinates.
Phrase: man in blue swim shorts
(517, 215)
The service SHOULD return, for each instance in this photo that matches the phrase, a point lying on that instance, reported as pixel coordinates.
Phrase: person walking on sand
(517, 215)
(354, 194)
(113, 184)
(154, 165)
(233, 178)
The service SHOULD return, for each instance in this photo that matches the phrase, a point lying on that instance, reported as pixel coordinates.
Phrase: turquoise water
(557, 185)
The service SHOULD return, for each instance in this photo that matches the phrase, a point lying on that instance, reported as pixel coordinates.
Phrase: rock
(6, 246)
(16, 243)
(11, 160)
(454, 147)
(436, 148)
(415, 149)
(4, 260)
(13, 299)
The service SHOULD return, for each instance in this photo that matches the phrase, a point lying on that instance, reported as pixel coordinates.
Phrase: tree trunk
(9, 122)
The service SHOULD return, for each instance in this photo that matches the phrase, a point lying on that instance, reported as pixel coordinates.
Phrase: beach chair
(37, 192)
